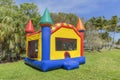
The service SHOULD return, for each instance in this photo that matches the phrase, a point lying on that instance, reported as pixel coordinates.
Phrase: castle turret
(81, 29)
(29, 27)
(45, 24)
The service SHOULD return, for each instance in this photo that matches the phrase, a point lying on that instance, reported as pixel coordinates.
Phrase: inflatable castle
(55, 46)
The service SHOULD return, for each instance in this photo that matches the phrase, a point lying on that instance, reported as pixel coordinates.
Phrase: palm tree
(114, 27)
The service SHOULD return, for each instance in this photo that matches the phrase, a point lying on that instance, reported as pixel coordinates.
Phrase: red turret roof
(29, 27)
(80, 25)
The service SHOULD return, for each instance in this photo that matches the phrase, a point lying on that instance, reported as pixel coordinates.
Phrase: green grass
(99, 66)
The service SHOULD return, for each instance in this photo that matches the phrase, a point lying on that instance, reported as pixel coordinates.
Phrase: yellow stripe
(65, 24)
(58, 24)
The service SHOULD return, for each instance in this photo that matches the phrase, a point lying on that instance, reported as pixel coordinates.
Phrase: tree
(114, 27)
(6, 25)
(118, 42)
(30, 10)
(13, 20)
(107, 39)
(99, 25)
(92, 40)
(64, 17)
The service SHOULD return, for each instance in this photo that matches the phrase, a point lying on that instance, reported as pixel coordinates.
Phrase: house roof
(57, 26)
(29, 27)
(63, 25)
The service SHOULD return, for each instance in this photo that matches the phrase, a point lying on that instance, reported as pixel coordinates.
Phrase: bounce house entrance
(68, 63)
(66, 55)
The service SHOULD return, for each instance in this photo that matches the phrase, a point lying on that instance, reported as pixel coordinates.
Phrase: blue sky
(82, 8)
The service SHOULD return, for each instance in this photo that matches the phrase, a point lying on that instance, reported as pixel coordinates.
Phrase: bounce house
(55, 45)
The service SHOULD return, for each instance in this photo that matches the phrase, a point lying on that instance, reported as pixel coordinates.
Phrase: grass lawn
(99, 66)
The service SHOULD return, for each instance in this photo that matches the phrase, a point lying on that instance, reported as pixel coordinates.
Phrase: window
(63, 44)
(33, 49)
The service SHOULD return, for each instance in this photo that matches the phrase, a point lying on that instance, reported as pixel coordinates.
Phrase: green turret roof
(46, 19)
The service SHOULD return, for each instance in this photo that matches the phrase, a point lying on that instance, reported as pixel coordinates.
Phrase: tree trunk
(113, 42)
(0, 53)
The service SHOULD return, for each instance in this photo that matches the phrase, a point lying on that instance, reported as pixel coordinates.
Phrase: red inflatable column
(28, 29)
(81, 29)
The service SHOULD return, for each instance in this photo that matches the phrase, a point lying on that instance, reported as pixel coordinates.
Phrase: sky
(82, 8)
